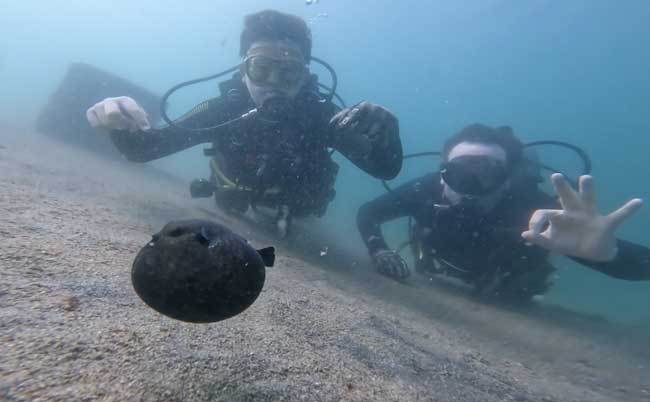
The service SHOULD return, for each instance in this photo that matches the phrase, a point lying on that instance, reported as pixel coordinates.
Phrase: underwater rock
(199, 271)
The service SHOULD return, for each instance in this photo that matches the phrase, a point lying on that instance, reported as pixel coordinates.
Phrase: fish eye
(202, 239)
(177, 232)
(153, 240)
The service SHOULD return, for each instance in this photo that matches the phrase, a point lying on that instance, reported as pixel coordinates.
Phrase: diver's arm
(580, 232)
(632, 262)
(402, 201)
(368, 135)
(147, 145)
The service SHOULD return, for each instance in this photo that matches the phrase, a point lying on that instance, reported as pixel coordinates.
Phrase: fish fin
(209, 239)
(268, 255)
(203, 238)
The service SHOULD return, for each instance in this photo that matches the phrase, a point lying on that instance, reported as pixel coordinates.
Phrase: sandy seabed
(323, 329)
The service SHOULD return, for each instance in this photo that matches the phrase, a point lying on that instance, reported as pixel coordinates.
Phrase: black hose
(586, 160)
(335, 78)
(418, 154)
(408, 156)
(337, 96)
(163, 101)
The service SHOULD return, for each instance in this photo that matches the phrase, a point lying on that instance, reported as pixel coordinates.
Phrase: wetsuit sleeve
(382, 159)
(144, 146)
(632, 262)
(405, 200)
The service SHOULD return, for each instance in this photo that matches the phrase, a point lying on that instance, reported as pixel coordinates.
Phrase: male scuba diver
(270, 128)
(480, 220)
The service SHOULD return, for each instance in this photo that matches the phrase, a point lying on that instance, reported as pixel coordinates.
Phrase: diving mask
(279, 68)
(474, 175)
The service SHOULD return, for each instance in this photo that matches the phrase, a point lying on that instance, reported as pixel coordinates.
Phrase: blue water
(569, 70)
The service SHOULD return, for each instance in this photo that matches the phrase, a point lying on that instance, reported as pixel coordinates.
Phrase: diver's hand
(389, 263)
(578, 230)
(121, 113)
(372, 124)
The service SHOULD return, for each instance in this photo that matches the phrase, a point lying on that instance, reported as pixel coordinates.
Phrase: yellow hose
(226, 184)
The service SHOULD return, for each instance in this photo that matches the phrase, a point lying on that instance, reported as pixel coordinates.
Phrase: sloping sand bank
(324, 329)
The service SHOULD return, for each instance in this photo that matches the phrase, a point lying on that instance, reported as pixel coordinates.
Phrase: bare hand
(578, 229)
(121, 113)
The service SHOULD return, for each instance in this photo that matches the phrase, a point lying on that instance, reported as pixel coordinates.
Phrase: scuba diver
(271, 128)
(480, 219)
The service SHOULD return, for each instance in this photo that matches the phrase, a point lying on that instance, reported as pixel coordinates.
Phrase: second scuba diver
(479, 218)
(271, 128)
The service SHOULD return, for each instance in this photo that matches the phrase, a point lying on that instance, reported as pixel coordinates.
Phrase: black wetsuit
(291, 154)
(484, 250)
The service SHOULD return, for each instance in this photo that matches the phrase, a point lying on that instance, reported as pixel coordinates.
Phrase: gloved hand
(578, 230)
(367, 123)
(121, 113)
(389, 263)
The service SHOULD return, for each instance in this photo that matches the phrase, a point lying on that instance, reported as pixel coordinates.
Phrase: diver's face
(273, 69)
(490, 152)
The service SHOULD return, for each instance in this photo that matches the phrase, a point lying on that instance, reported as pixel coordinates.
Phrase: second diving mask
(474, 175)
